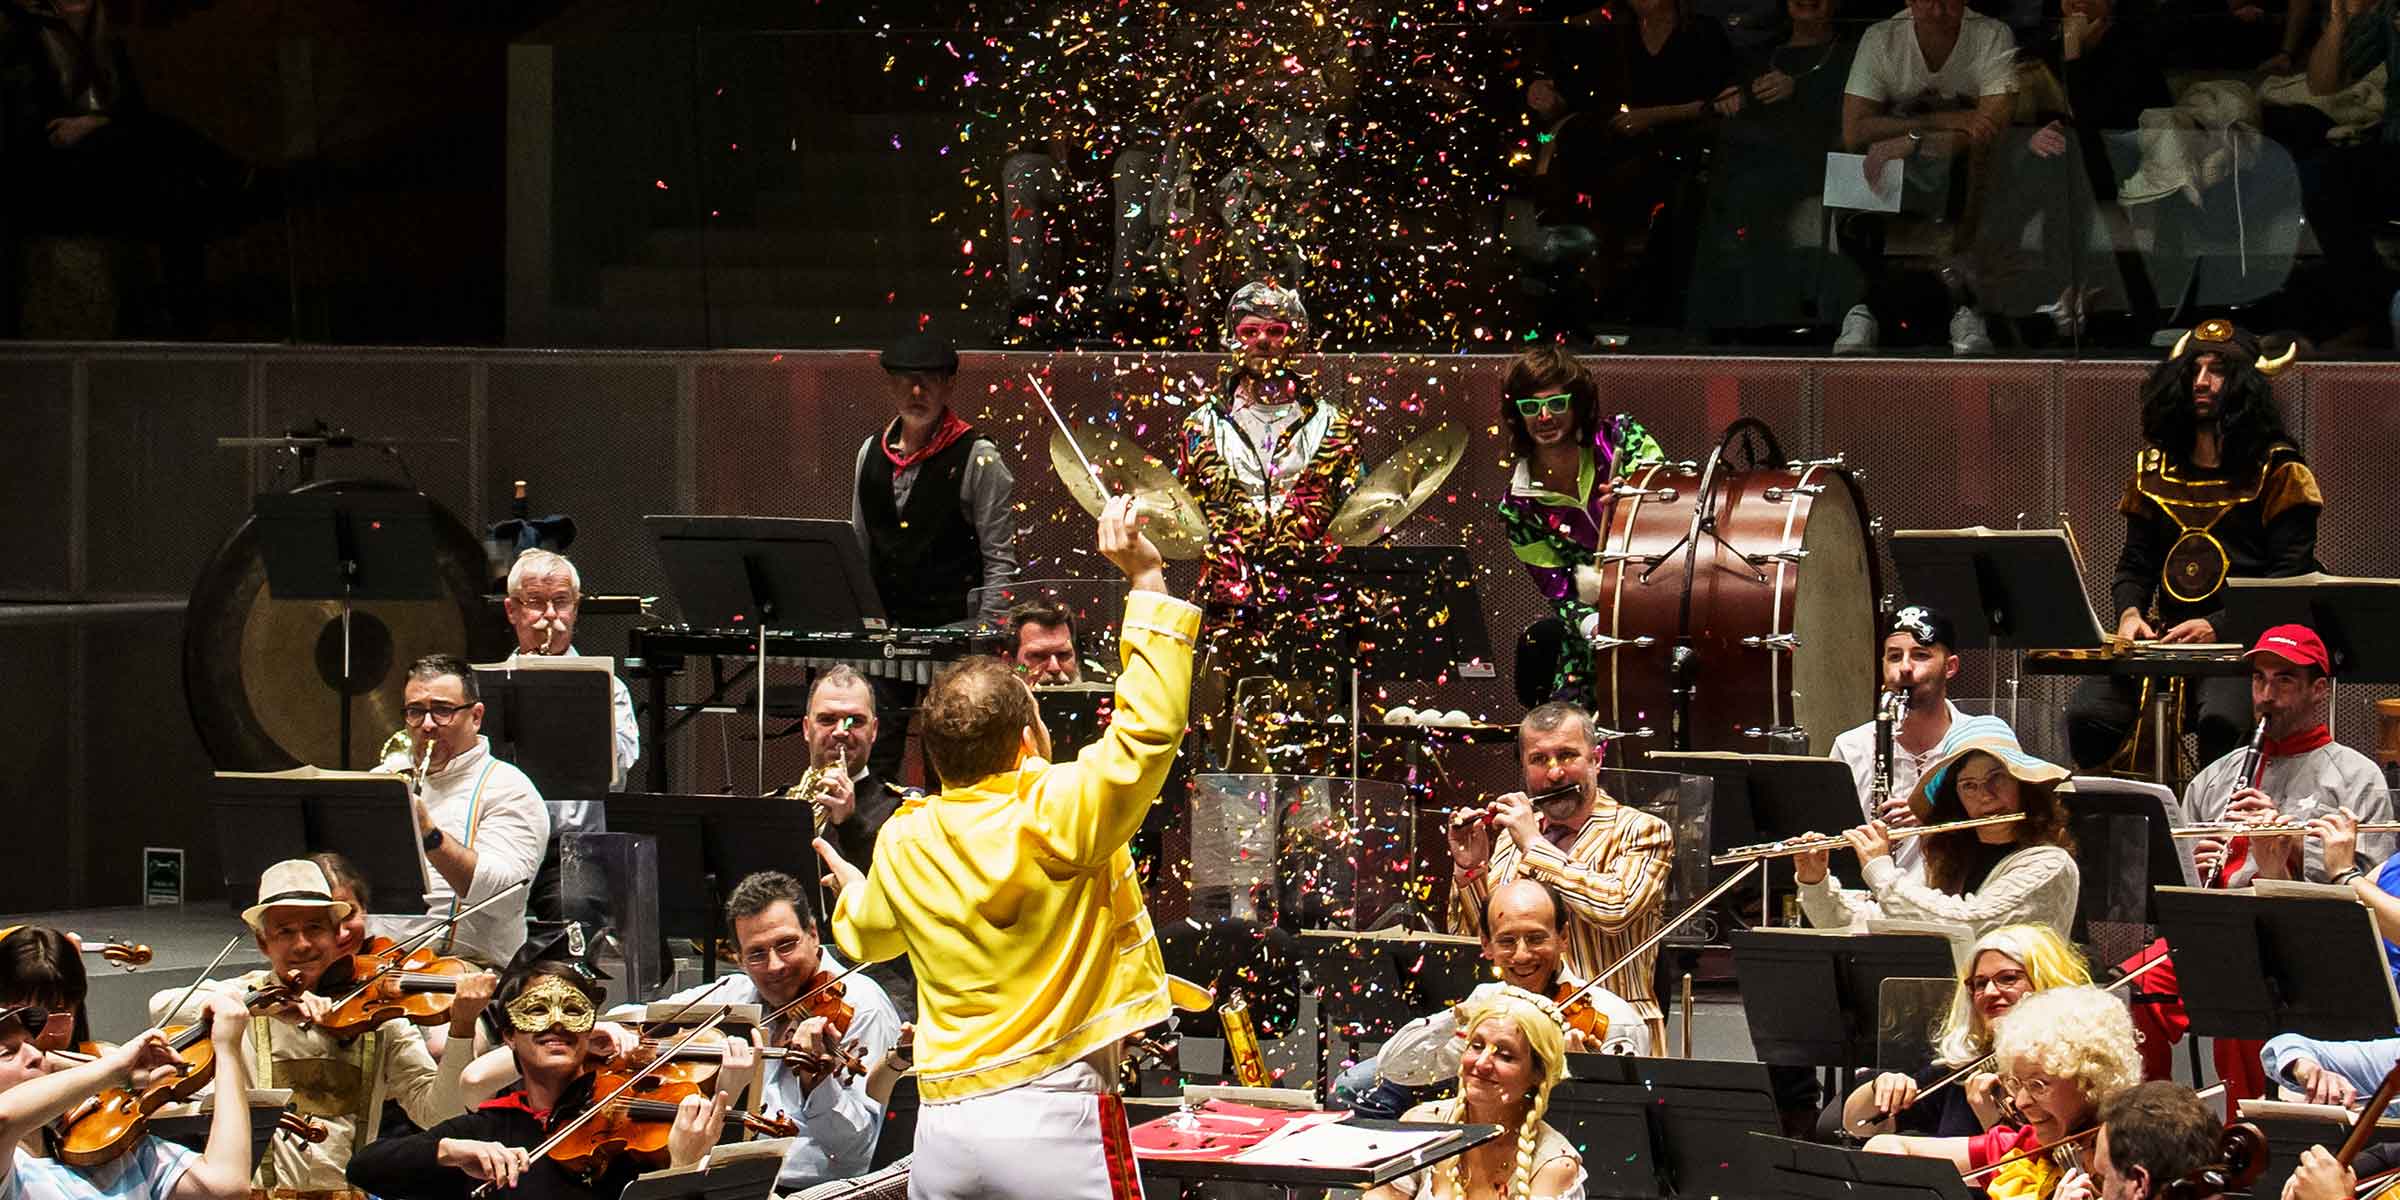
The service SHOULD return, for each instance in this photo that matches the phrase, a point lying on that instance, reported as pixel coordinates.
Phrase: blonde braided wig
(1537, 1020)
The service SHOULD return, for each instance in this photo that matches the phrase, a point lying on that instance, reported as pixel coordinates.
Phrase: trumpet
(813, 783)
(1810, 845)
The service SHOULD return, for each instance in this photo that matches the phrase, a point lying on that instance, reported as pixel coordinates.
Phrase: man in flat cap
(932, 510)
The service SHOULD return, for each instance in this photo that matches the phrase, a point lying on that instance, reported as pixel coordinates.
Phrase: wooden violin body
(112, 1122)
(637, 1123)
(417, 988)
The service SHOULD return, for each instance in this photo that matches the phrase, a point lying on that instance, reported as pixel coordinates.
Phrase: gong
(261, 676)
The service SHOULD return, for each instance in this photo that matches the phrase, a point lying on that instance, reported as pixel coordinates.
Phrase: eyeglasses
(780, 950)
(545, 603)
(1980, 785)
(442, 714)
(1250, 331)
(2007, 981)
(2037, 1088)
(31, 1017)
(1554, 405)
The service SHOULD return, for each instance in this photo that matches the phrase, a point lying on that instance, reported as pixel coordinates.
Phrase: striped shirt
(1614, 876)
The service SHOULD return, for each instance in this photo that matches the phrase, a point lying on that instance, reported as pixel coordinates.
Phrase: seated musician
(2062, 1055)
(342, 1083)
(36, 1090)
(482, 822)
(1041, 643)
(1515, 1054)
(1920, 658)
(1524, 933)
(2004, 967)
(2151, 1135)
(550, 1010)
(1985, 877)
(1558, 504)
(43, 968)
(1609, 861)
(545, 598)
(2315, 1070)
(2305, 772)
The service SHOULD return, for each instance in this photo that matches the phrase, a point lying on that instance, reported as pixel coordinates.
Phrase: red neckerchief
(944, 433)
(516, 1099)
(2237, 850)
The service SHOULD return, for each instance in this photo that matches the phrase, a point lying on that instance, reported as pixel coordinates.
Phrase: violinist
(2003, 969)
(551, 1009)
(41, 968)
(34, 1092)
(1013, 894)
(1524, 934)
(342, 1083)
(775, 927)
(2151, 1135)
(1986, 877)
(2062, 1054)
(1609, 860)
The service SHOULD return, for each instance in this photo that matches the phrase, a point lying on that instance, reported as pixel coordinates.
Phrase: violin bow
(2021, 1155)
(2363, 1128)
(1692, 910)
(213, 964)
(406, 946)
(633, 1081)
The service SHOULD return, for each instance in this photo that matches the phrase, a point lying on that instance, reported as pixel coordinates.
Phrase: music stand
(1368, 985)
(770, 575)
(555, 718)
(739, 1171)
(1807, 1171)
(706, 845)
(1672, 1126)
(2011, 589)
(2253, 966)
(265, 818)
(2349, 613)
(190, 1130)
(1815, 997)
(1781, 796)
(2291, 1128)
(347, 547)
(2109, 891)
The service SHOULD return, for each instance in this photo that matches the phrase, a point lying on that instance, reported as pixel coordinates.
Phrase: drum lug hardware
(1838, 461)
(1788, 556)
(1686, 467)
(1779, 641)
(1806, 489)
(1778, 731)
(1662, 495)
(1610, 643)
(1610, 735)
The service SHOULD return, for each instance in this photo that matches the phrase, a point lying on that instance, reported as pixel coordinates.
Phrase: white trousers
(1057, 1138)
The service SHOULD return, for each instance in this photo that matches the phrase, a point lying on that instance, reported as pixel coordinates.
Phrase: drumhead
(1833, 615)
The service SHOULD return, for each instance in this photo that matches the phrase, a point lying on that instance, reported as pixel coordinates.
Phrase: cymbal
(1176, 525)
(1399, 485)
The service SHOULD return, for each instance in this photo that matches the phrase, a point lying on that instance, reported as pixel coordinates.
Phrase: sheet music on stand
(266, 817)
(733, 1171)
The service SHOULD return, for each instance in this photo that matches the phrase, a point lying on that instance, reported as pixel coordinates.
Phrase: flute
(1810, 845)
(1481, 812)
(2270, 829)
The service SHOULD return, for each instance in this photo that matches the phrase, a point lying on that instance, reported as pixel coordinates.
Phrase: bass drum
(262, 675)
(1778, 607)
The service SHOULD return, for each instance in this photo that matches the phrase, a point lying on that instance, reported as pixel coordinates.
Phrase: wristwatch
(433, 840)
(1916, 142)
(2346, 876)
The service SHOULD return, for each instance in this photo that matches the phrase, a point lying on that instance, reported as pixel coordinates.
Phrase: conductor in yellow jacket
(1013, 895)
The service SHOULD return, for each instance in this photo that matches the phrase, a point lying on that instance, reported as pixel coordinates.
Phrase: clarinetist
(1985, 877)
(854, 800)
(1918, 661)
(2304, 773)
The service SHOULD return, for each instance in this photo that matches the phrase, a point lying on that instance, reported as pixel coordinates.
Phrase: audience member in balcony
(2069, 162)
(1781, 121)
(1929, 85)
(1620, 169)
(2359, 186)
(2269, 36)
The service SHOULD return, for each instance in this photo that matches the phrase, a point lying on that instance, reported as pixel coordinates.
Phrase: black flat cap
(921, 352)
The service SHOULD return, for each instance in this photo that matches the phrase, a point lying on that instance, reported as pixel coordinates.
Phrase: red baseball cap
(2295, 644)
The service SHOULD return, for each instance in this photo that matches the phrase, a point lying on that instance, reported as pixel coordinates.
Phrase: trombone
(1809, 845)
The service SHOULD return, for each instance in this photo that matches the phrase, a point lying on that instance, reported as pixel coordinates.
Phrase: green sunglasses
(1554, 405)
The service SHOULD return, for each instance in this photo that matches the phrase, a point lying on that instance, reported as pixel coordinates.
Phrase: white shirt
(1856, 747)
(1890, 66)
(838, 1121)
(1247, 438)
(149, 1171)
(2303, 786)
(511, 828)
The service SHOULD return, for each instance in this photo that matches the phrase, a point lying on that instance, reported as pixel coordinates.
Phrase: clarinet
(1891, 708)
(2253, 756)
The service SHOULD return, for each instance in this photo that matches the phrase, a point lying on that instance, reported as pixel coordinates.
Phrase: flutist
(854, 800)
(1985, 876)
(2300, 774)
(1888, 754)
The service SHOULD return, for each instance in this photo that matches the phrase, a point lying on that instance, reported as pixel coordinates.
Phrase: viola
(637, 1122)
(417, 986)
(109, 1124)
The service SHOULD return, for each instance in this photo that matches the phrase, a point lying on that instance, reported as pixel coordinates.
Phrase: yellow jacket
(1015, 897)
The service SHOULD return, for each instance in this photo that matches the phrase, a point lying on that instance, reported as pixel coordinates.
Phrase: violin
(825, 995)
(696, 1063)
(306, 1128)
(1576, 1008)
(131, 956)
(417, 986)
(109, 1124)
(636, 1123)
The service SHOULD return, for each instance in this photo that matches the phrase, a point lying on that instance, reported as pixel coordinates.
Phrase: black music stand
(1368, 985)
(2096, 805)
(2252, 966)
(1782, 796)
(2007, 587)
(347, 547)
(1814, 997)
(2290, 1133)
(750, 1176)
(708, 844)
(1672, 1127)
(263, 819)
(2350, 614)
(1077, 714)
(781, 573)
(191, 1130)
(1807, 1171)
(556, 723)
(1393, 587)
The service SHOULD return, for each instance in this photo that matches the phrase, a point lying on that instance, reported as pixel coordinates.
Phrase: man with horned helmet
(2218, 490)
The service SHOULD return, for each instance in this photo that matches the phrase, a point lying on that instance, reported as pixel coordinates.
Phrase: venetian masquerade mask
(550, 1003)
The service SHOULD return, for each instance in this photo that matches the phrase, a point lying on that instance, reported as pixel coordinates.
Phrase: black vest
(927, 559)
